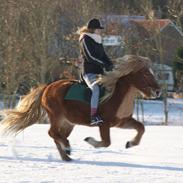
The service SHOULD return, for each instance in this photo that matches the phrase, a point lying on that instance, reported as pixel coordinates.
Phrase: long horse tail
(27, 112)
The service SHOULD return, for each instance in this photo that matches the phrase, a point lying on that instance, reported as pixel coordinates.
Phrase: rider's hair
(84, 29)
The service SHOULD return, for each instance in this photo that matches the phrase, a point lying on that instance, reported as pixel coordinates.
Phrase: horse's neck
(126, 106)
(123, 99)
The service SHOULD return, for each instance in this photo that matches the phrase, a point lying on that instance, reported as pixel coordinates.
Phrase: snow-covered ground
(32, 157)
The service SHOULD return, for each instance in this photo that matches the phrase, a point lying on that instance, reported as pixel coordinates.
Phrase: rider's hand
(109, 67)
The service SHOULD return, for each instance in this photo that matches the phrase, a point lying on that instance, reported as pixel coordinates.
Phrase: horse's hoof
(91, 141)
(128, 144)
(68, 151)
(67, 159)
(87, 139)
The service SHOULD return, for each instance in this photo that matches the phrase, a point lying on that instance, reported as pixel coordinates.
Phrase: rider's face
(97, 31)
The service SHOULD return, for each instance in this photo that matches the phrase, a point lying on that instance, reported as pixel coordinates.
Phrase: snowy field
(32, 157)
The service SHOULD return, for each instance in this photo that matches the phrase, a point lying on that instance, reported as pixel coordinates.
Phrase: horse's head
(146, 83)
(137, 71)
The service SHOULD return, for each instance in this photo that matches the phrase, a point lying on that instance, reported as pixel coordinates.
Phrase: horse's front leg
(131, 123)
(105, 137)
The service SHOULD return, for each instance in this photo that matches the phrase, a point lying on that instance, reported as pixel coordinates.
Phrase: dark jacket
(94, 56)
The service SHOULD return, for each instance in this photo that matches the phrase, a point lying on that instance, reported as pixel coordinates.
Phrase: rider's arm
(88, 47)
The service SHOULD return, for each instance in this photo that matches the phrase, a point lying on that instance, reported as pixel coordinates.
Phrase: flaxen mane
(124, 65)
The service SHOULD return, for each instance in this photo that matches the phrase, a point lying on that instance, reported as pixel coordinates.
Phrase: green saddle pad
(82, 93)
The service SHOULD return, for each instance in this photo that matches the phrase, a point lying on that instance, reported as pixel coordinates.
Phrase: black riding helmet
(94, 24)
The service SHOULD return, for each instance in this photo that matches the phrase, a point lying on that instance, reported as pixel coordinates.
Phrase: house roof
(150, 25)
(120, 19)
(114, 24)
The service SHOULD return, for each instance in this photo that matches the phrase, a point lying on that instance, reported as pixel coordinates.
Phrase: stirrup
(96, 120)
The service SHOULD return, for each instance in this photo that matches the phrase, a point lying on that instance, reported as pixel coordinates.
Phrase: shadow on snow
(98, 163)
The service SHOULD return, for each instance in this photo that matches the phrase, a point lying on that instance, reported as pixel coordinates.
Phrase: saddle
(81, 92)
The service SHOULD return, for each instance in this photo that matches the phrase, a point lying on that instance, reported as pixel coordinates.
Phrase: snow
(32, 157)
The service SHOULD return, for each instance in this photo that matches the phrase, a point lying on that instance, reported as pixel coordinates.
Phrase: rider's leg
(90, 80)
(95, 118)
(94, 99)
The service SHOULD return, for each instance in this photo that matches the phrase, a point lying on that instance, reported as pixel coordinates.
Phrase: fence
(8, 101)
(151, 112)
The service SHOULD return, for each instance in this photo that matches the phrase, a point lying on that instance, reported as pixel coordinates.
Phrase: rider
(94, 62)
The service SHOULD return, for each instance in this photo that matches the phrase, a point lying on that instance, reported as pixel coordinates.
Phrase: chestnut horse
(132, 74)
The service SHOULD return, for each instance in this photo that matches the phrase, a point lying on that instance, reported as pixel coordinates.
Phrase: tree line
(37, 38)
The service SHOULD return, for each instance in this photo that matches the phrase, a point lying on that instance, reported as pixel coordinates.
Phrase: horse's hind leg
(105, 137)
(138, 126)
(59, 131)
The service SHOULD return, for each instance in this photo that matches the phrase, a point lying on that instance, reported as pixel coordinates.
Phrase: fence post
(165, 105)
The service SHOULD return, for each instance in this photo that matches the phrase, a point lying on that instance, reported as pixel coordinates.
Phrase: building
(164, 75)
(158, 39)
(166, 36)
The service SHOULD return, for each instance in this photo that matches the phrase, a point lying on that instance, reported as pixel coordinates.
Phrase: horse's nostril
(158, 93)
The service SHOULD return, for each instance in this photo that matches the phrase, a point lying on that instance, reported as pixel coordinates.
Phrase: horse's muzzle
(156, 93)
